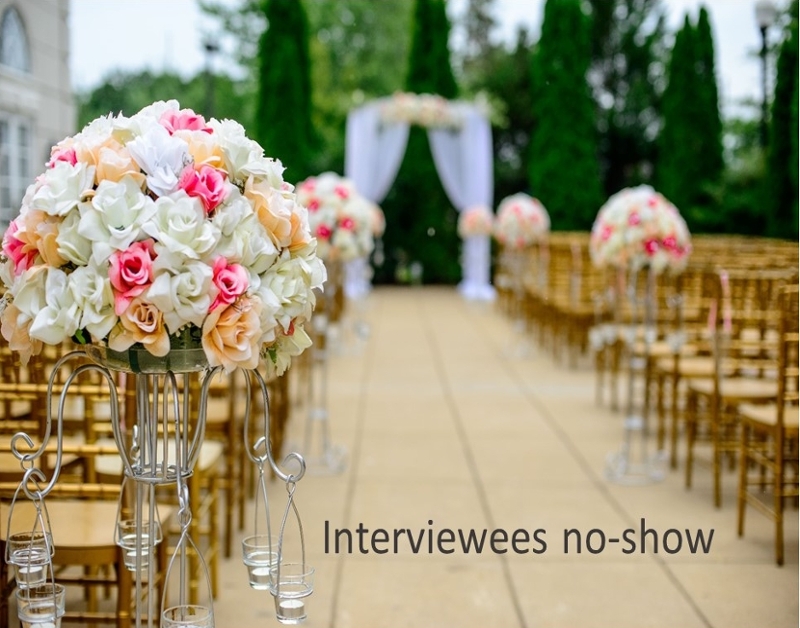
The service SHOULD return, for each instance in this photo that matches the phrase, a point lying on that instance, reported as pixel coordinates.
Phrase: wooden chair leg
(674, 412)
(691, 432)
(717, 434)
(741, 502)
(661, 431)
(778, 498)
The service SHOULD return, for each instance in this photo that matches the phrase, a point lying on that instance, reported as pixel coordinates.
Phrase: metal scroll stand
(329, 459)
(519, 345)
(633, 464)
(160, 448)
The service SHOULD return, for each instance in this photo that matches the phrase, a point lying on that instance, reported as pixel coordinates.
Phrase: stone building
(36, 103)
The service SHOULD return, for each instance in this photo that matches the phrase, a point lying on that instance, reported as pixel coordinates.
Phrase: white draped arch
(462, 155)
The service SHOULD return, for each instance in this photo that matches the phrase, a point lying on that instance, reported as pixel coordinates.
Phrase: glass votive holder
(260, 555)
(42, 606)
(187, 616)
(143, 550)
(30, 554)
(290, 583)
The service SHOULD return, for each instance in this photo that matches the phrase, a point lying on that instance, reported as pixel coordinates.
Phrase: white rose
(285, 348)
(179, 225)
(235, 210)
(248, 245)
(290, 280)
(60, 318)
(182, 290)
(62, 188)
(91, 291)
(243, 156)
(72, 246)
(161, 156)
(29, 291)
(113, 219)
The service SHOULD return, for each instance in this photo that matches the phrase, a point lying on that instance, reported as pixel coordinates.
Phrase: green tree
(421, 223)
(283, 114)
(128, 92)
(626, 75)
(563, 167)
(690, 144)
(708, 127)
(782, 191)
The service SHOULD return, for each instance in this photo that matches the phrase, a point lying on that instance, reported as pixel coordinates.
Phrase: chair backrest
(789, 349)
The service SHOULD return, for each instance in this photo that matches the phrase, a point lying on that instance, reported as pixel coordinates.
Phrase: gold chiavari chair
(745, 363)
(770, 433)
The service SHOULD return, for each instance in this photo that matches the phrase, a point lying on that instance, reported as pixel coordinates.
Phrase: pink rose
(131, 273)
(185, 119)
(323, 232)
(348, 224)
(651, 247)
(605, 234)
(313, 205)
(62, 154)
(341, 191)
(634, 219)
(207, 184)
(308, 185)
(231, 281)
(19, 251)
(669, 243)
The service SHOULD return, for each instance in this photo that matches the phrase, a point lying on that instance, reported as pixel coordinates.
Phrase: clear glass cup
(30, 554)
(144, 549)
(42, 606)
(290, 583)
(187, 616)
(260, 555)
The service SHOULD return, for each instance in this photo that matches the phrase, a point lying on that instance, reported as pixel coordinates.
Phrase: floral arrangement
(638, 227)
(521, 220)
(426, 110)
(340, 218)
(159, 231)
(475, 221)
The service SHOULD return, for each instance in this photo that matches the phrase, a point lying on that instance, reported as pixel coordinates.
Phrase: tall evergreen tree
(674, 142)
(690, 144)
(782, 189)
(420, 221)
(708, 130)
(283, 117)
(628, 54)
(563, 165)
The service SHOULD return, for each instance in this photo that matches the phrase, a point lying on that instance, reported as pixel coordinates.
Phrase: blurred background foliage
(644, 107)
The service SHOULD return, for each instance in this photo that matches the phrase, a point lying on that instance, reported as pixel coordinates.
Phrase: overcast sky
(166, 34)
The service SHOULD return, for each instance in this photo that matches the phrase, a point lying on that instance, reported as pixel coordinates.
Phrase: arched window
(14, 50)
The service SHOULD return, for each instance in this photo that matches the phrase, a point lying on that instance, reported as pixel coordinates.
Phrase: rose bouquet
(340, 218)
(638, 227)
(521, 220)
(159, 231)
(475, 221)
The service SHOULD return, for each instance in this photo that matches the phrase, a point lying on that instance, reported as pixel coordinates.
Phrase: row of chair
(713, 348)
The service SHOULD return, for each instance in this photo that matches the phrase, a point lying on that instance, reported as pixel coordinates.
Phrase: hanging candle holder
(260, 549)
(138, 528)
(184, 614)
(291, 582)
(40, 601)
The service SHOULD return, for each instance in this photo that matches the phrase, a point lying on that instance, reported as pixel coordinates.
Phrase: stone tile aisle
(442, 426)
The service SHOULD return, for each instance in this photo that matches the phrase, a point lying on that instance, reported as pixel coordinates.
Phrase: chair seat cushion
(737, 388)
(767, 414)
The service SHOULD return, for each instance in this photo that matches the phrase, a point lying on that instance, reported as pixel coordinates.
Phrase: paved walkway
(445, 431)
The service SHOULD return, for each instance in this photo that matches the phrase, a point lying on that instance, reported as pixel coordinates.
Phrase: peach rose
(141, 322)
(42, 230)
(115, 162)
(15, 328)
(231, 335)
(271, 211)
(300, 234)
(203, 148)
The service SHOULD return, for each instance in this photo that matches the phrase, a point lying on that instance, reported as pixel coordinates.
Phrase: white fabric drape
(463, 159)
(373, 155)
(373, 151)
